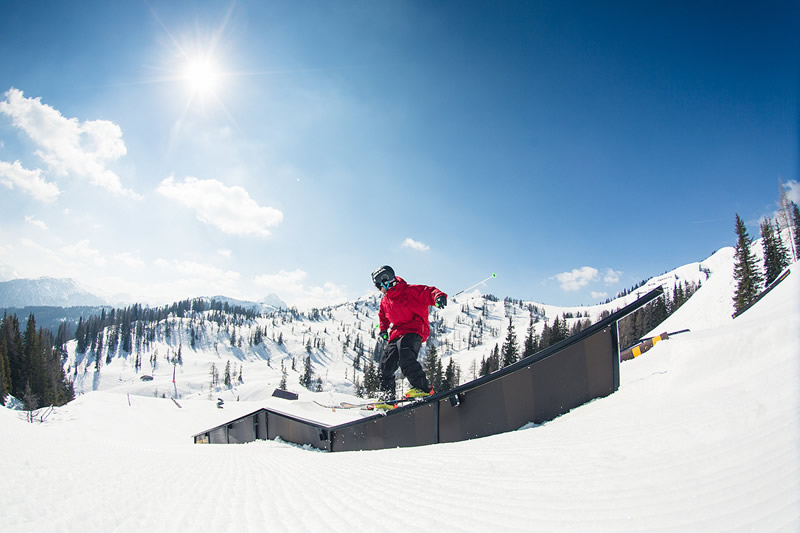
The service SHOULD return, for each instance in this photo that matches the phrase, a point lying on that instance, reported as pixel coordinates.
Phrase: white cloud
(792, 191)
(182, 279)
(282, 280)
(599, 295)
(13, 175)
(415, 245)
(577, 278)
(129, 259)
(7, 272)
(612, 276)
(68, 146)
(38, 247)
(224, 252)
(83, 252)
(289, 286)
(196, 270)
(230, 209)
(36, 222)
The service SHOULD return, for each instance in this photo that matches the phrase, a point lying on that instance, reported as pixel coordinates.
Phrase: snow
(703, 435)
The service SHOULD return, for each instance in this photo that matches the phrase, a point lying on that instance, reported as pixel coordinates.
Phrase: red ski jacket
(404, 307)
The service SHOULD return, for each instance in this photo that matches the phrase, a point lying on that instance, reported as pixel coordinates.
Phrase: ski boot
(418, 393)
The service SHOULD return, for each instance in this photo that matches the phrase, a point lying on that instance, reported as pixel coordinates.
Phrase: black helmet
(383, 278)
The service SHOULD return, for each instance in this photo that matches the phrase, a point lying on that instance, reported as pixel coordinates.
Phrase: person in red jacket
(404, 324)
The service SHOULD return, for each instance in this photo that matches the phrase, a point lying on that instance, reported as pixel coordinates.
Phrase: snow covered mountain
(58, 292)
(702, 435)
(265, 305)
(273, 302)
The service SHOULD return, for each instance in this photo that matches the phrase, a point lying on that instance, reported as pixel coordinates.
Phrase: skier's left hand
(441, 301)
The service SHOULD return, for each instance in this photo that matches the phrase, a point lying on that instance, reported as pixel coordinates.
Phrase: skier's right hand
(384, 335)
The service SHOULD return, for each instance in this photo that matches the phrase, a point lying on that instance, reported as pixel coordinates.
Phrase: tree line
(31, 365)
(631, 328)
(750, 280)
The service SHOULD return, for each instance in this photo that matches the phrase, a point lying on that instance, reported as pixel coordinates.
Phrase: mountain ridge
(46, 291)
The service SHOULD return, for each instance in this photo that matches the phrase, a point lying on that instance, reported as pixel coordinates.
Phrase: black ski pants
(402, 351)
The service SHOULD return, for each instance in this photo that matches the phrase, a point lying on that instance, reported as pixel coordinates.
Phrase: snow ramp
(536, 389)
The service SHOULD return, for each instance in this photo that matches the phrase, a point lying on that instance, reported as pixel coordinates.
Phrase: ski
(345, 405)
(349, 405)
(369, 405)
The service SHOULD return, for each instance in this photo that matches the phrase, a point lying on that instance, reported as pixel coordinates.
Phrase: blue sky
(164, 150)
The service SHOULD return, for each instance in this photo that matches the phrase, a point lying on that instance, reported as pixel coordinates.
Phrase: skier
(404, 308)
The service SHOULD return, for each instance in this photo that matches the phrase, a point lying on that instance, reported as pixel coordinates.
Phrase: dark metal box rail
(536, 389)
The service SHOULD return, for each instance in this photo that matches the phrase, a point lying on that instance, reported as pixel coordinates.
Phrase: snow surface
(703, 435)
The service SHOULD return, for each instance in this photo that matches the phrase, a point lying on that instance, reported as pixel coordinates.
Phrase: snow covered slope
(703, 435)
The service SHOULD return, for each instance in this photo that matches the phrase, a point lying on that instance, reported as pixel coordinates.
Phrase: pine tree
(492, 363)
(227, 379)
(283, 376)
(796, 225)
(745, 271)
(307, 377)
(433, 368)
(30, 400)
(775, 253)
(510, 353)
(5, 379)
(62, 337)
(80, 336)
(30, 354)
(544, 338)
(212, 374)
(531, 341)
(449, 380)
(660, 311)
(371, 380)
(558, 331)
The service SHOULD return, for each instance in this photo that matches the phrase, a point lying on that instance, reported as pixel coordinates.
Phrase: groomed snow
(703, 435)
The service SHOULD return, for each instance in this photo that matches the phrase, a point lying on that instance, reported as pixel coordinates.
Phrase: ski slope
(703, 435)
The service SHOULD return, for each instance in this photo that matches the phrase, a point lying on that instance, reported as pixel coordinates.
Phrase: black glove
(441, 301)
(384, 335)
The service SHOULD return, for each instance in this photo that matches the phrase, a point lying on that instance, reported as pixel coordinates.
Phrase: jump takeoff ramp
(536, 389)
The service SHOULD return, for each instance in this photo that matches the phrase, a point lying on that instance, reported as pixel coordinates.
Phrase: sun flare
(201, 75)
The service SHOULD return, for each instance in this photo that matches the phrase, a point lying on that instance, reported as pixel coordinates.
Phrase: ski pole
(473, 286)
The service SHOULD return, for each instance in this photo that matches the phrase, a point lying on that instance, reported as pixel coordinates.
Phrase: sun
(202, 75)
